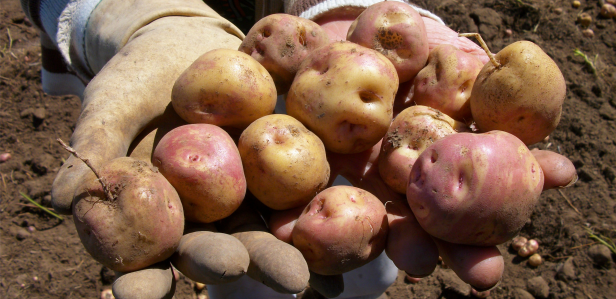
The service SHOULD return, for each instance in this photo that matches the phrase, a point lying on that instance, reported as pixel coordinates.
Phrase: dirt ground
(41, 256)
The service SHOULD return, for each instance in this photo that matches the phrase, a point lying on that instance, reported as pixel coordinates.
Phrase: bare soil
(41, 256)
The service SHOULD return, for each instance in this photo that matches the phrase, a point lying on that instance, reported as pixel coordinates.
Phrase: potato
(397, 31)
(280, 42)
(446, 82)
(285, 163)
(411, 132)
(203, 164)
(475, 189)
(140, 226)
(522, 96)
(341, 229)
(226, 88)
(344, 93)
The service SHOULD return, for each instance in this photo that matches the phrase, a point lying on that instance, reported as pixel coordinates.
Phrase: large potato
(397, 31)
(139, 226)
(475, 189)
(203, 164)
(344, 93)
(446, 82)
(522, 96)
(285, 163)
(411, 132)
(280, 42)
(342, 228)
(223, 87)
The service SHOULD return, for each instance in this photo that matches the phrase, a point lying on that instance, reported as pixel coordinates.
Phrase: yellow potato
(523, 96)
(223, 87)
(344, 93)
(284, 163)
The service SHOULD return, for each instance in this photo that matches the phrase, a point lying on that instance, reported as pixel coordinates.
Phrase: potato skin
(344, 93)
(411, 132)
(445, 83)
(285, 163)
(475, 189)
(141, 226)
(523, 97)
(341, 229)
(280, 42)
(395, 30)
(223, 87)
(203, 164)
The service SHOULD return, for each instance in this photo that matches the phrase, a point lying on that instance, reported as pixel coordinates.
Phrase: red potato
(521, 92)
(344, 93)
(203, 164)
(285, 163)
(445, 83)
(226, 88)
(475, 189)
(411, 132)
(280, 42)
(397, 31)
(141, 225)
(341, 229)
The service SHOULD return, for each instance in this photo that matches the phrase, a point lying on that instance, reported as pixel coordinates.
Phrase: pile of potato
(457, 149)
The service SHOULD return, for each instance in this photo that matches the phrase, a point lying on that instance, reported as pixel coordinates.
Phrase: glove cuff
(311, 9)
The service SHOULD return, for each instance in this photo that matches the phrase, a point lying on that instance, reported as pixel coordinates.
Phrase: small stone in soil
(521, 294)
(601, 255)
(566, 270)
(39, 113)
(20, 233)
(450, 281)
(538, 287)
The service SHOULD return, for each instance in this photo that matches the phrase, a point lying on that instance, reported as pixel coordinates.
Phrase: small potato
(397, 31)
(523, 96)
(342, 228)
(285, 163)
(446, 82)
(140, 226)
(226, 88)
(344, 93)
(203, 164)
(411, 132)
(475, 189)
(280, 42)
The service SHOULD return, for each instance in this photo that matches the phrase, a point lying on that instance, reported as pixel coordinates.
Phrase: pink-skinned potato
(524, 95)
(397, 31)
(475, 189)
(344, 93)
(285, 163)
(280, 42)
(203, 164)
(224, 87)
(140, 225)
(341, 229)
(411, 132)
(445, 83)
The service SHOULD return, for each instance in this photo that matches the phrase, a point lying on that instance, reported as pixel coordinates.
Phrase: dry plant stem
(569, 202)
(483, 44)
(72, 151)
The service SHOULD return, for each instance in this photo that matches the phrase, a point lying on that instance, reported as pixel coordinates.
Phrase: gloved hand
(137, 49)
